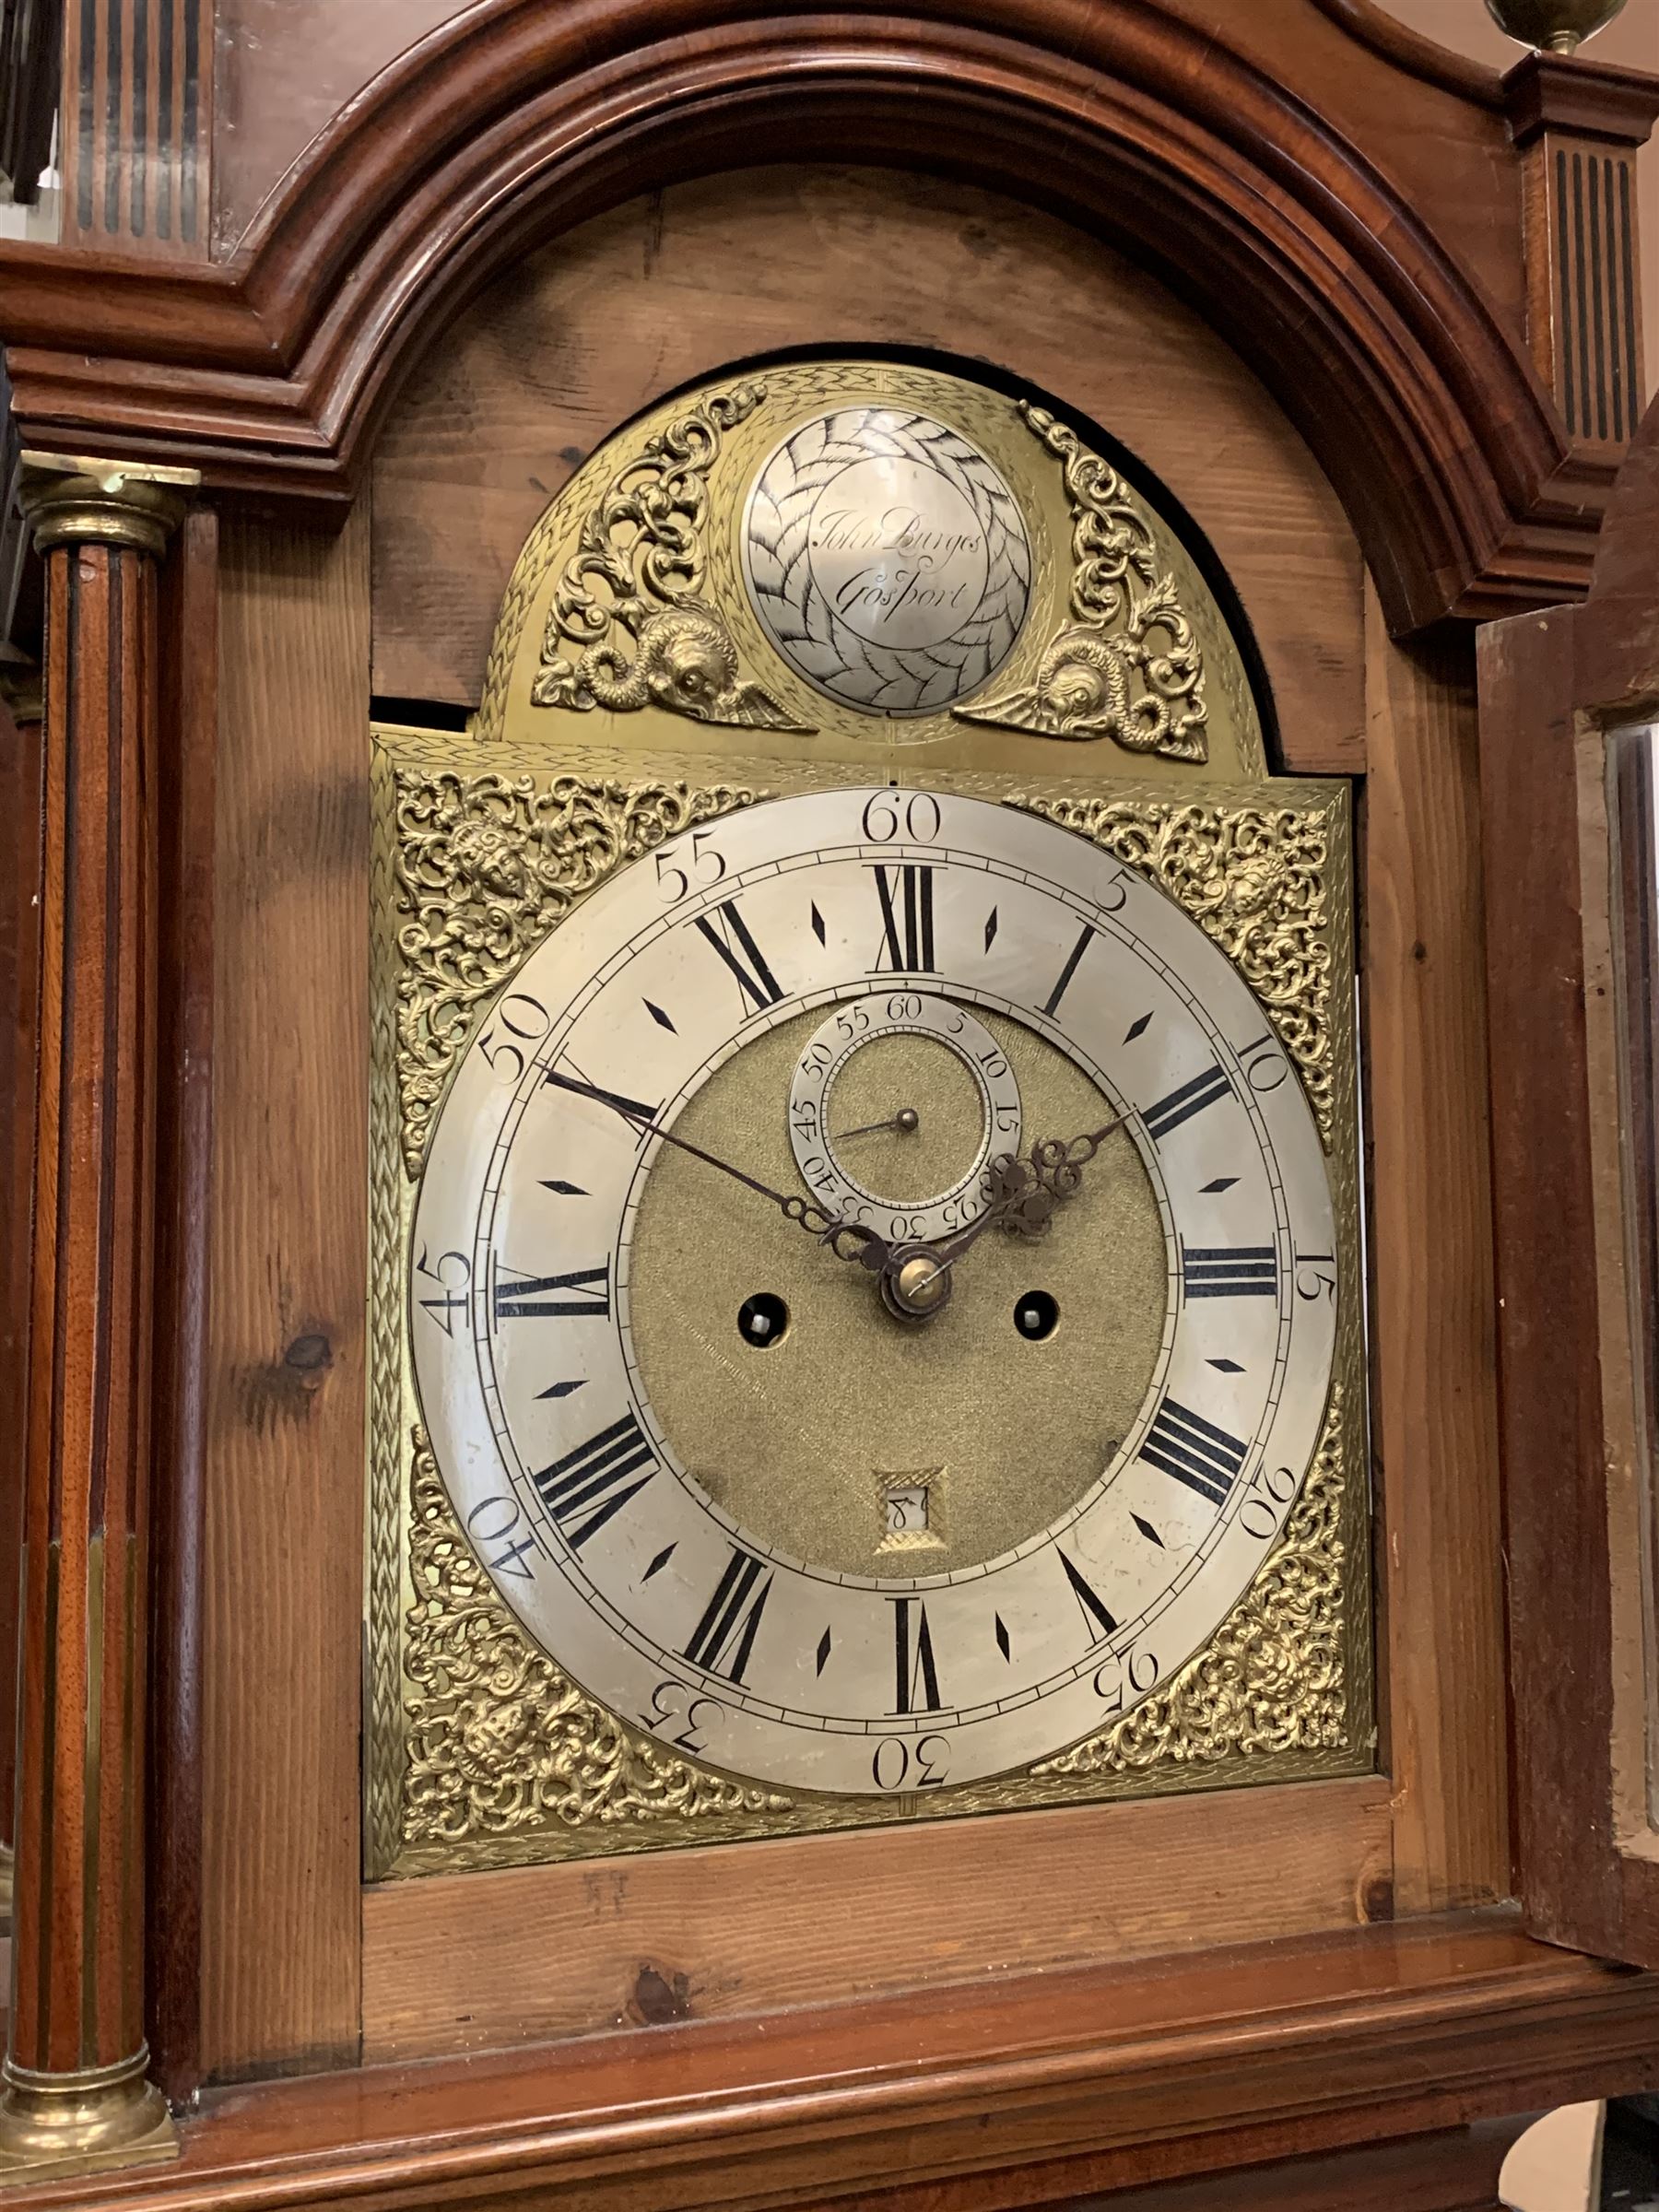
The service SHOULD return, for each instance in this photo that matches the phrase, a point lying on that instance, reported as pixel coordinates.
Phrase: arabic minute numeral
(895, 1766)
(525, 1019)
(505, 1514)
(890, 811)
(1316, 1275)
(453, 1273)
(691, 861)
(1264, 1066)
(1115, 1679)
(683, 1716)
(1271, 1490)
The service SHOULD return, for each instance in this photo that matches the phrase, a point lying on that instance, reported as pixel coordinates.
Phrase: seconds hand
(794, 1208)
(907, 1118)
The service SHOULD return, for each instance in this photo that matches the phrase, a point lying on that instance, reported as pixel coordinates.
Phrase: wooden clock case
(1308, 270)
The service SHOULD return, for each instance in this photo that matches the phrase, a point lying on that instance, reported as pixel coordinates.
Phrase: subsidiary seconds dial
(920, 1182)
(872, 1299)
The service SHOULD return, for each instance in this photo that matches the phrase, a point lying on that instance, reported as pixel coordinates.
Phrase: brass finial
(1552, 25)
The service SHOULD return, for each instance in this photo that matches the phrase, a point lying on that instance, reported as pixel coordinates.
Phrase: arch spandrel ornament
(868, 556)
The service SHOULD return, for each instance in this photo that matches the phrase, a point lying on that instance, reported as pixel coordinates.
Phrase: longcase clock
(829, 1224)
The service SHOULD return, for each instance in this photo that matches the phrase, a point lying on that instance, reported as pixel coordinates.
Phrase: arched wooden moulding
(515, 121)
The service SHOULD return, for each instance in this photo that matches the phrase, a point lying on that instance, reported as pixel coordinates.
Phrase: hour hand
(1025, 1191)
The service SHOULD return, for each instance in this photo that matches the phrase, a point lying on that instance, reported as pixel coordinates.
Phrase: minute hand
(810, 1215)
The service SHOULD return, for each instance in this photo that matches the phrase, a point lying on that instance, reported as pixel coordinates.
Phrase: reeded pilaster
(75, 2094)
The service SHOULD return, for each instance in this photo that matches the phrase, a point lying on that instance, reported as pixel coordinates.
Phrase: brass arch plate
(868, 558)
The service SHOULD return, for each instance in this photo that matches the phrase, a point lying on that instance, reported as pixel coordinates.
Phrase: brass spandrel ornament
(485, 866)
(872, 558)
(1128, 667)
(628, 626)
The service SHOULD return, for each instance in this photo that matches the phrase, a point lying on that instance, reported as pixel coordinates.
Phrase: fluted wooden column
(75, 2093)
(19, 989)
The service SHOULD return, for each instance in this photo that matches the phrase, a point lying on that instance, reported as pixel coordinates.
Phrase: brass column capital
(68, 499)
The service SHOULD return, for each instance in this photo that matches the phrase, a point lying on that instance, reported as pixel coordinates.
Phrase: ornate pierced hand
(1025, 1191)
(915, 1278)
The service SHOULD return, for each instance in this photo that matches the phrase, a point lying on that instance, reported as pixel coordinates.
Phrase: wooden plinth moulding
(74, 2095)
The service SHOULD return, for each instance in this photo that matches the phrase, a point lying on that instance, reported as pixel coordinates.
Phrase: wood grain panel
(469, 1961)
(670, 289)
(1010, 2091)
(1432, 1312)
(1454, 2169)
(1574, 1476)
(184, 1175)
(284, 1544)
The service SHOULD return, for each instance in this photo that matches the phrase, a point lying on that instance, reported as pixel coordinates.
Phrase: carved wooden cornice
(516, 120)
(1414, 51)
(1593, 100)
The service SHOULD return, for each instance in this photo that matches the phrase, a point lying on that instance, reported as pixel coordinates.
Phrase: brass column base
(97, 2117)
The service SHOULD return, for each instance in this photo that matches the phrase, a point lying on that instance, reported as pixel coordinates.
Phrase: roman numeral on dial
(1096, 1617)
(587, 1486)
(907, 919)
(730, 934)
(916, 1685)
(1183, 1444)
(1230, 1270)
(584, 1290)
(1052, 1002)
(1182, 1103)
(724, 1637)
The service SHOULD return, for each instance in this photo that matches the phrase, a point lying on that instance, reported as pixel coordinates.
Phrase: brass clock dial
(893, 1469)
